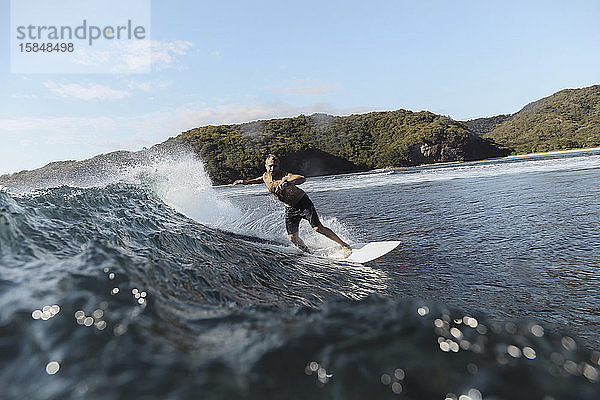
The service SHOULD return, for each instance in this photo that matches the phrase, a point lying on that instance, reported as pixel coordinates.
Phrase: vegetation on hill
(483, 126)
(568, 119)
(367, 141)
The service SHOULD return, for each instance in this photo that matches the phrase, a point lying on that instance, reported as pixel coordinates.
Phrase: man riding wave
(298, 205)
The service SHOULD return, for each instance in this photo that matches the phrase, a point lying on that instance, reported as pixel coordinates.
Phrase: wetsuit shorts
(304, 208)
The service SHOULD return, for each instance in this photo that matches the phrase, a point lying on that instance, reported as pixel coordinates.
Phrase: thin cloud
(147, 86)
(91, 57)
(68, 125)
(101, 92)
(89, 92)
(165, 54)
(133, 57)
(135, 142)
(24, 96)
(100, 133)
(308, 87)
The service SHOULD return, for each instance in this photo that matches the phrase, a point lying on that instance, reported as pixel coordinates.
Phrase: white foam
(183, 184)
(481, 169)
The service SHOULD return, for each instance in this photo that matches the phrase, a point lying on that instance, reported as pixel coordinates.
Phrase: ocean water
(154, 284)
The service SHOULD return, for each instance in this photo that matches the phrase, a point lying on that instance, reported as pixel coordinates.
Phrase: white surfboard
(365, 252)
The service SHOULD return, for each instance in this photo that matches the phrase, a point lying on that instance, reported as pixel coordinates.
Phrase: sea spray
(182, 183)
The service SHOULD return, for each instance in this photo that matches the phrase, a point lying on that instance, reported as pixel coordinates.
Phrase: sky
(223, 62)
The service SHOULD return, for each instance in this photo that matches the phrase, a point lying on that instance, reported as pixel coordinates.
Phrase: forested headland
(324, 144)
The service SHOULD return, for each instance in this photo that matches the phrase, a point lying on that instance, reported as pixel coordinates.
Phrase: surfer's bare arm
(294, 178)
(248, 181)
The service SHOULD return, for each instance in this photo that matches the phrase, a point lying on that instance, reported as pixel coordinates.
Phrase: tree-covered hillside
(568, 119)
(363, 141)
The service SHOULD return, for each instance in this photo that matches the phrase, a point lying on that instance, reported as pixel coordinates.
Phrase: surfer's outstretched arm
(248, 181)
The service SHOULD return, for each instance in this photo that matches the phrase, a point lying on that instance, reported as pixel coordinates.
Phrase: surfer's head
(272, 163)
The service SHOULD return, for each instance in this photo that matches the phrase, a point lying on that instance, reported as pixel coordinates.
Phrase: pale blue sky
(237, 61)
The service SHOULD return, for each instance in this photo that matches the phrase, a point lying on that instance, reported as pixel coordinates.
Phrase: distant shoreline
(554, 152)
(487, 159)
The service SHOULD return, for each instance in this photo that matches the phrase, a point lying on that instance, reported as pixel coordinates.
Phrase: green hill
(483, 126)
(568, 119)
(337, 144)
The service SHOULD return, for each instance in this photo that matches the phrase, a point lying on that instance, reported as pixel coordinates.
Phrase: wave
(129, 221)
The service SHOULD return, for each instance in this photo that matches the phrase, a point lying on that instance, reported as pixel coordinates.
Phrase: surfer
(298, 205)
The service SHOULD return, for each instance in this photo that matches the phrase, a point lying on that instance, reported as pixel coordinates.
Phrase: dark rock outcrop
(315, 162)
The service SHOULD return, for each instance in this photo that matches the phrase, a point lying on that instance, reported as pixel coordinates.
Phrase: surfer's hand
(281, 187)
(238, 182)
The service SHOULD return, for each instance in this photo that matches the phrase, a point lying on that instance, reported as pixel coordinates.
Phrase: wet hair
(271, 157)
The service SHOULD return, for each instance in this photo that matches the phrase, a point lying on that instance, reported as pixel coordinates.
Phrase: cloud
(165, 54)
(131, 141)
(89, 133)
(91, 57)
(142, 55)
(43, 139)
(168, 122)
(26, 142)
(24, 96)
(132, 57)
(59, 124)
(143, 86)
(101, 92)
(147, 86)
(89, 92)
(307, 87)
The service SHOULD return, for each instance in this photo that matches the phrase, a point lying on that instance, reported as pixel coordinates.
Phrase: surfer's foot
(296, 241)
(304, 249)
(347, 251)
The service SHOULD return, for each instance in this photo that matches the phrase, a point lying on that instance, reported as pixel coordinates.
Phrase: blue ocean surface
(156, 285)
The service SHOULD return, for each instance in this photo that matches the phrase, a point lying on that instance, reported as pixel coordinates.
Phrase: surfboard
(365, 252)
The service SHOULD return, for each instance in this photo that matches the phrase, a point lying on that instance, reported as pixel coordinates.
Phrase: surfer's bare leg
(296, 241)
(323, 230)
